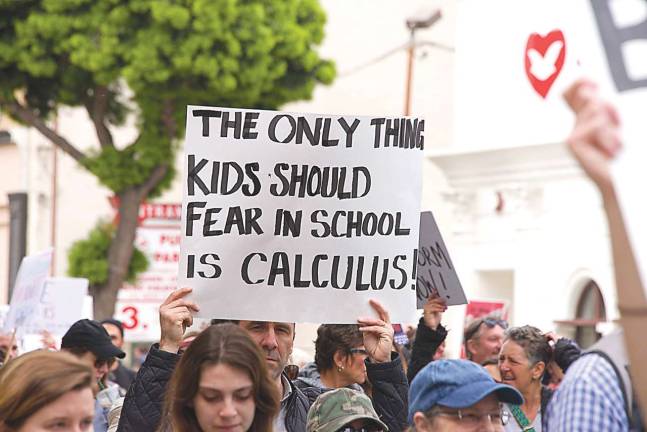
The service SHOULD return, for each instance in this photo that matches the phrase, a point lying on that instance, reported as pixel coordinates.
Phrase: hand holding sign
(378, 334)
(176, 314)
(433, 311)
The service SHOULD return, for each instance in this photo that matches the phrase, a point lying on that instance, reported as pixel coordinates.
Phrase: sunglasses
(490, 322)
(361, 351)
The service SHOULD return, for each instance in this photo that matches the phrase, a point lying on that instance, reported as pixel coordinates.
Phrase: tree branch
(168, 120)
(97, 108)
(153, 180)
(28, 116)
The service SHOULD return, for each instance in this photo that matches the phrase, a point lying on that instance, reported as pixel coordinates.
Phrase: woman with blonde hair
(221, 383)
(46, 390)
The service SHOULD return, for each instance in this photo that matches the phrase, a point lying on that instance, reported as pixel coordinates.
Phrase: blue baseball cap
(455, 384)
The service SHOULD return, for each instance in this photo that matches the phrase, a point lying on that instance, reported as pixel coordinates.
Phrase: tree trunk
(119, 254)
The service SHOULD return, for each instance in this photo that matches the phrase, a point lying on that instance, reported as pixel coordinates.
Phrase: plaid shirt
(588, 399)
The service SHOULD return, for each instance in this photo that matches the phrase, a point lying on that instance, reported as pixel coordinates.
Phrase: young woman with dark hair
(221, 383)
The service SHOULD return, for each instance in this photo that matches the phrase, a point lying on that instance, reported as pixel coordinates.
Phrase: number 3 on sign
(131, 313)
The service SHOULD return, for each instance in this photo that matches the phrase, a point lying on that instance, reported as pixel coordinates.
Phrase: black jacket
(425, 345)
(390, 392)
(144, 401)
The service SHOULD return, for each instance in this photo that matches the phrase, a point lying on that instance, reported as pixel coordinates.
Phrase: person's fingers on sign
(378, 334)
(176, 314)
(433, 310)
(595, 139)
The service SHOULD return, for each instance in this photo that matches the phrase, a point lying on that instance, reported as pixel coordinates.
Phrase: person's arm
(429, 336)
(384, 369)
(595, 141)
(143, 405)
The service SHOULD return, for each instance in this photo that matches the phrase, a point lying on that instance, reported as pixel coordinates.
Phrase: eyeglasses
(361, 351)
(474, 419)
(490, 322)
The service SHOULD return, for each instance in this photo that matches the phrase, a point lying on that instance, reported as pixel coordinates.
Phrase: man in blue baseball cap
(458, 395)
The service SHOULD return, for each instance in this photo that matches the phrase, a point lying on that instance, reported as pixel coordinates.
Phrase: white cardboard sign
(521, 67)
(436, 275)
(60, 306)
(300, 217)
(28, 291)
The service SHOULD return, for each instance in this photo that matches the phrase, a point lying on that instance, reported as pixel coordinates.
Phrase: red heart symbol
(544, 59)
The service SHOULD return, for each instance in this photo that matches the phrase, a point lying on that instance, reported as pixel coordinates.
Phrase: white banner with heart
(510, 75)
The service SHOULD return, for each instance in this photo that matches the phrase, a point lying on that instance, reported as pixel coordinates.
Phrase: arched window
(590, 311)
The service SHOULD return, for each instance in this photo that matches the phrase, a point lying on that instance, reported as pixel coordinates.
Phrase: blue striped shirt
(588, 399)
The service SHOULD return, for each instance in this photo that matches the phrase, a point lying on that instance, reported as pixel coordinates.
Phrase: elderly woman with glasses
(522, 362)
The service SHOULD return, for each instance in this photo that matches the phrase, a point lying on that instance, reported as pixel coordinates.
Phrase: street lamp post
(414, 24)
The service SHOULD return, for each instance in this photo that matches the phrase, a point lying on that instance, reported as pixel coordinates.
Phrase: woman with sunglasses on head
(221, 383)
(522, 362)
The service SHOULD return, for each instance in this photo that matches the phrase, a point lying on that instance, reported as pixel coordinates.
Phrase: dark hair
(534, 343)
(34, 380)
(220, 344)
(116, 323)
(473, 329)
(332, 338)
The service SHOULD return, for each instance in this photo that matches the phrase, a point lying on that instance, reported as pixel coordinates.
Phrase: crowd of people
(235, 375)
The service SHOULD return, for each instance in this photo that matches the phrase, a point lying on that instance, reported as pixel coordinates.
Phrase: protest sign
(436, 275)
(158, 237)
(27, 291)
(300, 217)
(526, 63)
(479, 308)
(60, 306)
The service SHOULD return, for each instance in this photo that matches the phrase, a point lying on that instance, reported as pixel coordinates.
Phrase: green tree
(149, 59)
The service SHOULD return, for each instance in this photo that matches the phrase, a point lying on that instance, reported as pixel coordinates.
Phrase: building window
(589, 312)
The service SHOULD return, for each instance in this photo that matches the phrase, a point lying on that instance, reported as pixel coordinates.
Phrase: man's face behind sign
(275, 339)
